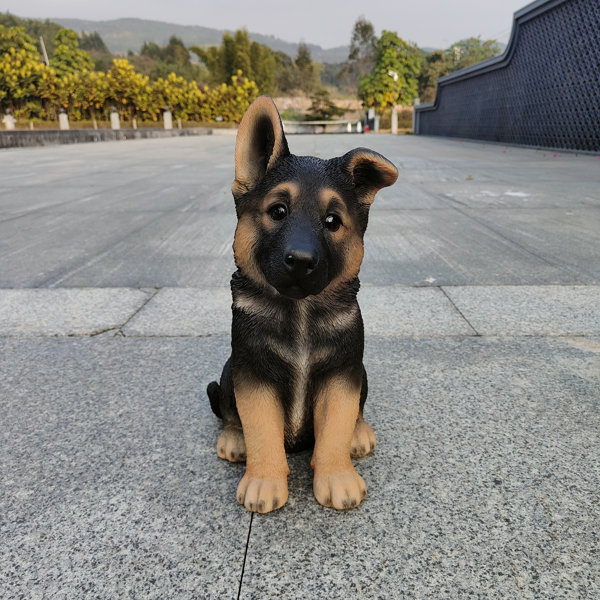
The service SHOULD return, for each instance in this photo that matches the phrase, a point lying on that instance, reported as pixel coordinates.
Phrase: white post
(8, 120)
(394, 120)
(115, 123)
(63, 119)
(168, 119)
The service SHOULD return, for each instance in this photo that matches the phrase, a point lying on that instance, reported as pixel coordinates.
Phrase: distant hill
(121, 35)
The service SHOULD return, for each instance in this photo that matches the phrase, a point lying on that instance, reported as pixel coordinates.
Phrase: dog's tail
(215, 396)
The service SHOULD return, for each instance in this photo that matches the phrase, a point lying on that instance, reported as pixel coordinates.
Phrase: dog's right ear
(260, 144)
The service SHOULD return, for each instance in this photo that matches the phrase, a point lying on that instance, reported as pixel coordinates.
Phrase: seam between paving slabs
(459, 311)
(151, 295)
(245, 556)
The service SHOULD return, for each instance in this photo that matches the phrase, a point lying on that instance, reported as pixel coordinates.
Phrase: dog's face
(301, 219)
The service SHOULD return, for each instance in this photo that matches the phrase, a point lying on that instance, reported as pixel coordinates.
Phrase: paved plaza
(481, 301)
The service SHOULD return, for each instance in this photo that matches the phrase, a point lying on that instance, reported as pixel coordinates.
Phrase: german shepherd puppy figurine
(295, 376)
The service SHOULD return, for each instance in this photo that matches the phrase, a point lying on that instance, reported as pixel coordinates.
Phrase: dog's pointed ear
(369, 171)
(259, 145)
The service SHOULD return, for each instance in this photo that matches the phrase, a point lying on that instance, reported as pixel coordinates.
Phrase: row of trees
(84, 79)
(31, 89)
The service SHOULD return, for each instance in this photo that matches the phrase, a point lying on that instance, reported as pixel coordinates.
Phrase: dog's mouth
(298, 292)
(295, 292)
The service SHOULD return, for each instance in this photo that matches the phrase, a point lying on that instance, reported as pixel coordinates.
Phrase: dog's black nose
(300, 263)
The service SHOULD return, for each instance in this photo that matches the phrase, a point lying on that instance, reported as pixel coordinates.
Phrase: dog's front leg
(336, 482)
(263, 487)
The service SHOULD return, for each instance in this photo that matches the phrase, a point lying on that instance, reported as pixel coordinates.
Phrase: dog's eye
(332, 222)
(278, 212)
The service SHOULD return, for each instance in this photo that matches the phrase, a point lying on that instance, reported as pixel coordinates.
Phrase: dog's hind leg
(230, 445)
(363, 438)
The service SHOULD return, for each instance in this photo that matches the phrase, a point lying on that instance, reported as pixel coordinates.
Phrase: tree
(92, 93)
(230, 102)
(159, 61)
(361, 56)
(236, 53)
(68, 58)
(363, 48)
(322, 107)
(181, 96)
(459, 55)
(94, 44)
(263, 67)
(309, 73)
(286, 74)
(394, 80)
(35, 29)
(433, 66)
(20, 71)
(470, 51)
(130, 91)
(17, 39)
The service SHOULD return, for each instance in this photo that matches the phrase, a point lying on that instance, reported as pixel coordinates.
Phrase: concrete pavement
(481, 300)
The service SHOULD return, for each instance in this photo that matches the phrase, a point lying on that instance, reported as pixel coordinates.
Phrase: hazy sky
(435, 23)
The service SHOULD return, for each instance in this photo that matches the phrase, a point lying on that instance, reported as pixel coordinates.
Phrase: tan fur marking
(274, 197)
(263, 487)
(301, 360)
(243, 248)
(336, 482)
(387, 171)
(338, 320)
(326, 196)
(354, 251)
(257, 306)
(288, 187)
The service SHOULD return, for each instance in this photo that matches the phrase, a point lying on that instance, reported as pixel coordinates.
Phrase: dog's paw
(363, 440)
(231, 445)
(262, 494)
(342, 489)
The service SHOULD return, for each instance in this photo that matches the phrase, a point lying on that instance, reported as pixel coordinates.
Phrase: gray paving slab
(176, 248)
(184, 312)
(43, 312)
(387, 311)
(176, 312)
(91, 215)
(445, 247)
(110, 483)
(568, 238)
(484, 483)
(529, 310)
(397, 311)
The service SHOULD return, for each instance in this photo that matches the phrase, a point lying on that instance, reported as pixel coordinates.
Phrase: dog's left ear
(369, 171)
(259, 145)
